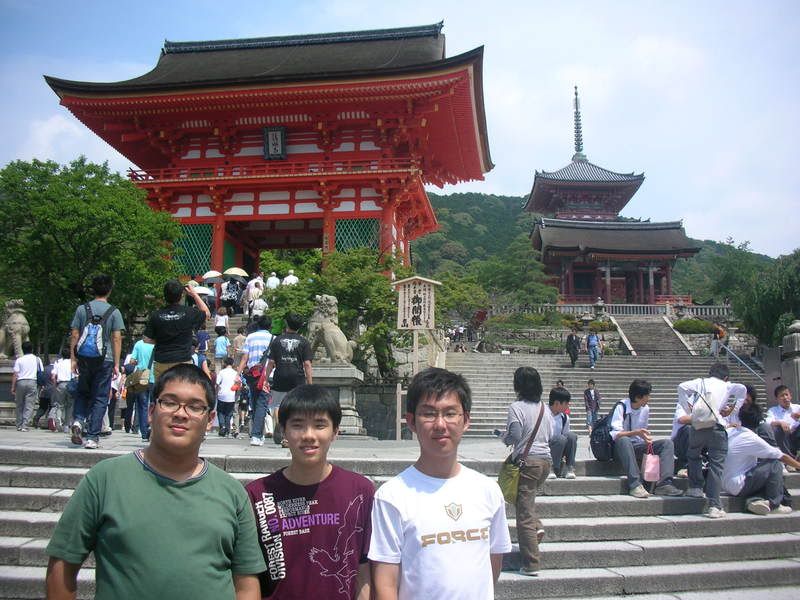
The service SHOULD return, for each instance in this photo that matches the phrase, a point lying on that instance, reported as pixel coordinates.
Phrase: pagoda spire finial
(579, 155)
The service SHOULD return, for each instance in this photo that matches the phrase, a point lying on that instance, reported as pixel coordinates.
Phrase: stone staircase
(651, 335)
(598, 541)
(490, 377)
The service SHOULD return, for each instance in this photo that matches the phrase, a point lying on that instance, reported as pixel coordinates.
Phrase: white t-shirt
(63, 370)
(441, 532)
(634, 419)
(744, 450)
(717, 392)
(26, 366)
(778, 413)
(225, 379)
(221, 321)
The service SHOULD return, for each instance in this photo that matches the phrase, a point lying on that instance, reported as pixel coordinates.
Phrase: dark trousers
(765, 480)
(142, 403)
(224, 414)
(787, 442)
(531, 476)
(715, 441)
(91, 399)
(258, 404)
(563, 446)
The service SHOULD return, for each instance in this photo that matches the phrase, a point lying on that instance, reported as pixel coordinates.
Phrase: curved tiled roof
(584, 171)
(184, 65)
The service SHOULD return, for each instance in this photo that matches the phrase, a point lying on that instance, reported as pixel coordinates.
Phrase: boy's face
(180, 430)
(309, 436)
(591, 385)
(559, 407)
(785, 398)
(439, 424)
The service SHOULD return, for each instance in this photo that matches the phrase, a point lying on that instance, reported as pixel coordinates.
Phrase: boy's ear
(410, 423)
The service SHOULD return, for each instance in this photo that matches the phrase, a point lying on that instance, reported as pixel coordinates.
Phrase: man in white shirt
(723, 398)
(273, 281)
(631, 438)
(23, 384)
(753, 468)
(439, 529)
(784, 419)
(563, 442)
(290, 279)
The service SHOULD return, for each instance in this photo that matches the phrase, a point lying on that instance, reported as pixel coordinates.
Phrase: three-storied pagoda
(303, 141)
(588, 249)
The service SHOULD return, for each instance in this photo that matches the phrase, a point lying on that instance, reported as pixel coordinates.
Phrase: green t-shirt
(154, 537)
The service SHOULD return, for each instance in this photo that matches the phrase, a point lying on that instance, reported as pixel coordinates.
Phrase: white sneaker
(684, 473)
(91, 445)
(639, 492)
(758, 506)
(781, 510)
(570, 474)
(552, 475)
(254, 441)
(715, 513)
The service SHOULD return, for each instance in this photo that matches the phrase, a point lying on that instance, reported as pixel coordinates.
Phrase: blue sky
(700, 96)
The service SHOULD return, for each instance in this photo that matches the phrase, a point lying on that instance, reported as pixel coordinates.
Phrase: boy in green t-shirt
(186, 525)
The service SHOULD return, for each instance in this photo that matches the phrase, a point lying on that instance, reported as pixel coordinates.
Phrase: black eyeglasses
(193, 409)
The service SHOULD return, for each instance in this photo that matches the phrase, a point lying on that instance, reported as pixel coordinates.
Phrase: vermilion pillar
(218, 241)
(387, 223)
(328, 232)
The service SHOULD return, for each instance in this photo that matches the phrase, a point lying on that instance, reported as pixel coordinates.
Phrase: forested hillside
(479, 227)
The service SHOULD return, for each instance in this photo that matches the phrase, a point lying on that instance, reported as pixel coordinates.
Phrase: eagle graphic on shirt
(337, 562)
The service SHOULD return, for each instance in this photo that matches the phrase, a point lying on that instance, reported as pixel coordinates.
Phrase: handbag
(508, 477)
(651, 465)
(704, 416)
(139, 379)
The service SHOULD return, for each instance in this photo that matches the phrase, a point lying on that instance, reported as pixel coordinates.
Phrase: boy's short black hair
(264, 322)
(528, 384)
(559, 394)
(293, 321)
(638, 388)
(227, 361)
(27, 347)
(190, 374)
(780, 389)
(102, 284)
(173, 290)
(751, 391)
(435, 382)
(719, 370)
(750, 416)
(309, 399)
(590, 382)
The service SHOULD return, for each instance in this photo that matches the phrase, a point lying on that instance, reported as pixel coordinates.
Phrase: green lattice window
(357, 233)
(195, 249)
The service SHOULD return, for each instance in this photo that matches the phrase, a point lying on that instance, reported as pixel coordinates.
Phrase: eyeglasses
(195, 409)
(429, 416)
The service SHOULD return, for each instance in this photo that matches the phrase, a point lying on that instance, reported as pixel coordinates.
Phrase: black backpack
(600, 441)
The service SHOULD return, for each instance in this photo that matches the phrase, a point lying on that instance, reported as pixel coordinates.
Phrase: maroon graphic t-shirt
(313, 536)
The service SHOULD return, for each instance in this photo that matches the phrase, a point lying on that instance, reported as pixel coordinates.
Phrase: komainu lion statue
(15, 329)
(323, 330)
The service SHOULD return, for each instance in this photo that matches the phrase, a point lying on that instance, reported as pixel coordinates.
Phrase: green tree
(734, 272)
(459, 296)
(62, 224)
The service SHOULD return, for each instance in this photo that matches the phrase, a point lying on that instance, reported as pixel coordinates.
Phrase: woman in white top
(23, 385)
(221, 319)
(523, 416)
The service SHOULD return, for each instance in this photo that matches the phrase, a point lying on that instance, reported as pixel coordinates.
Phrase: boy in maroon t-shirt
(313, 518)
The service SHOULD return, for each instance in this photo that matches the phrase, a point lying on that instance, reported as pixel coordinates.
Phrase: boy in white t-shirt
(438, 520)
(226, 395)
(753, 467)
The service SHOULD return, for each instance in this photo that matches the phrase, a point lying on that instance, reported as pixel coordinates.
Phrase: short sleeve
(75, 535)
(366, 520)
(307, 355)
(117, 324)
(16, 366)
(499, 536)
(198, 317)
(247, 558)
(78, 318)
(386, 541)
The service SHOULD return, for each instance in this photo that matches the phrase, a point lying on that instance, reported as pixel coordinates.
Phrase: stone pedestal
(342, 380)
(7, 404)
(790, 359)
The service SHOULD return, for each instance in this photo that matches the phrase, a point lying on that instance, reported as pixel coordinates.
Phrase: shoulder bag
(508, 478)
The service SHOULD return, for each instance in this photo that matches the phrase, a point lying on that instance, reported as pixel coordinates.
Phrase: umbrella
(235, 271)
(192, 283)
(203, 291)
(212, 277)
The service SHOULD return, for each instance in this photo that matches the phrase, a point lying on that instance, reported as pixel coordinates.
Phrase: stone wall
(376, 406)
(743, 344)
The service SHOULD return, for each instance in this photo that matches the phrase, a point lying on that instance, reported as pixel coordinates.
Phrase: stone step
(17, 582)
(579, 555)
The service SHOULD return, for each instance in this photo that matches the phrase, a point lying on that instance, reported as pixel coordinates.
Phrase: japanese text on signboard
(415, 305)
